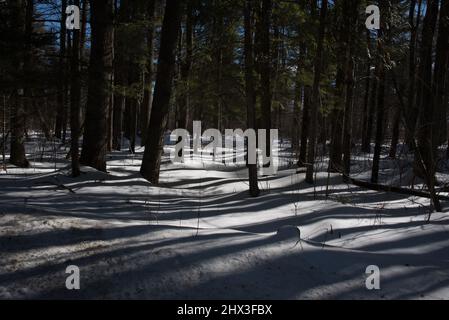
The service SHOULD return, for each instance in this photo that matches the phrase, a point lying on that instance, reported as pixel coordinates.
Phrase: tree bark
(440, 87)
(265, 73)
(100, 80)
(352, 8)
(61, 73)
(380, 108)
(426, 155)
(316, 93)
(412, 116)
(395, 135)
(336, 120)
(366, 140)
(304, 127)
(250, 92)
(148, 91)
(23, 24)
(186, 64)
(163, 90)
(121, 72)
(75, 100)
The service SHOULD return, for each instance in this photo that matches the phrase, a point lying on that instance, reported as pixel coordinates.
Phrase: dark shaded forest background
(309, 68)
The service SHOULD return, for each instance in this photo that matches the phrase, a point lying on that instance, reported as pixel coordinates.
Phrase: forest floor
(200, 236)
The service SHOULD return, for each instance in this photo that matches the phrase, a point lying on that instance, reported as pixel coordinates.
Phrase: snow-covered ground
(199, 235)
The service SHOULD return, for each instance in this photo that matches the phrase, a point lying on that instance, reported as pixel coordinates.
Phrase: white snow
(200, 235)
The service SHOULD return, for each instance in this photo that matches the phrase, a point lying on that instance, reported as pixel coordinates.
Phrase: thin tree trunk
(352, 8)
(412, 116)
(61, 73)
(148, 91)
(186, 64)
(265, 74)
(315, 94)
(304, 127)
(380, 110)
(395, 135)
(366, 145)
(75, 100)
(336, 119)
(440, 87)
(250, 92)
(366, 101)
(66, 86)
(121, 73)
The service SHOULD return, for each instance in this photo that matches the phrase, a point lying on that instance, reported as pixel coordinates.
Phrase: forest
(97, 98)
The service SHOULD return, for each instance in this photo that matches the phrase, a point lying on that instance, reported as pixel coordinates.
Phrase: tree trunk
(336, 120)
(265, 74)
(75, 100)
(250, 92)
(119, 107)
(148, 91)
(61, 73)
(366, 144)
(440, 86)
(100, 80)
(162, 94)
(426, 155)
(366, 115)
(380, 110)
(304, 127)
(121, 72)
(352, 8)
(412, 116)
(186, 63)
(315, 94)
(23, 24)
(395, 135)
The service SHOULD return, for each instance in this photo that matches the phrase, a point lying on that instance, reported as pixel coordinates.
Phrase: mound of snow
(289, 233)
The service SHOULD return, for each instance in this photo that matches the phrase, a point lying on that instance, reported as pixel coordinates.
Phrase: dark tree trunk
(315, 94)
(440, 87)
(23, 25)
(382, 60)
(121, 73)
(412, 116)
(265, 73)
(132, 125)
(304, 128)
(351, 10)
(75, 100)
(426, 154)
(366, 144)
(162, 94)
(119, 107)
(186, 64)
(395, 135)
(148, 92)
(366, 101)
(250, 92)
(95, 140)
(61, 99)
(380, 110)
(66, 86)
(336, 119)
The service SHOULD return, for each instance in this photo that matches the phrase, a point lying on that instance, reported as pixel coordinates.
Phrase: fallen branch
(409, 192)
